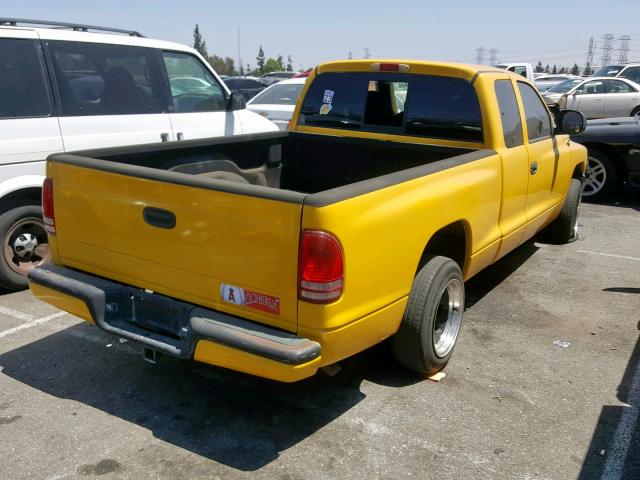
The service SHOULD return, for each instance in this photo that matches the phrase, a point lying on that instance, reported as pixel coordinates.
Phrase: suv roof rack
(79, 27)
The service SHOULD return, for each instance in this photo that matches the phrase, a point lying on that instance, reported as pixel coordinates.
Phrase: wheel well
(24, 196)
(450, 241)
(610, 151)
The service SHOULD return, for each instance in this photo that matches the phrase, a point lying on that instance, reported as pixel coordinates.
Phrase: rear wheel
(431, 322)
(636, 112)
(600, 177)
(24, 245)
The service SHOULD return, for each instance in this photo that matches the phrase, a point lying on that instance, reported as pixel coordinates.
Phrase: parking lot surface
(77, 403)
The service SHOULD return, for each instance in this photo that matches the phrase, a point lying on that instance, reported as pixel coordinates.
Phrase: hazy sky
(312, 32)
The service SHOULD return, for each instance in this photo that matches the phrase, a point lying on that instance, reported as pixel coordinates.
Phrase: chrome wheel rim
(26, 245)
(447, 318)
(594, 178)
(576, 225)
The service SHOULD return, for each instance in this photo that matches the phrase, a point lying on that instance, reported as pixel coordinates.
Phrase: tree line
(227, 65)
(575, 70)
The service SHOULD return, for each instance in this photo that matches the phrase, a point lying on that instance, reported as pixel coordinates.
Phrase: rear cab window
(429, 106)
(24, 91)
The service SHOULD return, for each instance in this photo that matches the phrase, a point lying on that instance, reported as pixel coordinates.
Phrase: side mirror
(571, 122)
(236, 102)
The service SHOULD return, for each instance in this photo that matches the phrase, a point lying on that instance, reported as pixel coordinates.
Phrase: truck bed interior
(298, 162)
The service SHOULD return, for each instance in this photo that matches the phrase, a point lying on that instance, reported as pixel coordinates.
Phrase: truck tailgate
(233, 252)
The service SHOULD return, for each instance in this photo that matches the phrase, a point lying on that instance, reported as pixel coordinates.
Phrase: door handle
(164, 137)
(180, 136)
(533, 169)
(158, 217)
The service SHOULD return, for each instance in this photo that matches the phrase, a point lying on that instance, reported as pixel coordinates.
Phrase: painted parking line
(624, 257)
(31, 323)
(617, 454)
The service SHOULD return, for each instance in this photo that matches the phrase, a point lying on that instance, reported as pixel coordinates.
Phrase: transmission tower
(623, 56)
(493, 56)
(590, 52)
(480, 55)
(367, 54)
(607, 47)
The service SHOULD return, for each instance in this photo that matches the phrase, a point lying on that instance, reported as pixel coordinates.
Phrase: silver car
(596, 97)
(546, 81)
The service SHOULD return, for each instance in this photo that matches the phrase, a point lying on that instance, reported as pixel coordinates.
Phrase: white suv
(71, 88)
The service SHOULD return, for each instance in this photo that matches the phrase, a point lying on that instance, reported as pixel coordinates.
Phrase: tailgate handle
(157, 217)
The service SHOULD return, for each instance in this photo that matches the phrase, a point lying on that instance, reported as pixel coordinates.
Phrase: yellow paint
(63, 301)
(222, 356)
(253, 242)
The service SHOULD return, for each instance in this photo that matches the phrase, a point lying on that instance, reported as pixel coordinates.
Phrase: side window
(443, 107)
(23, 89)
(193, 87)
(105, 79)
(618, 86)
(632, 73)
(538, 120)
(509, 113)
(591, 88)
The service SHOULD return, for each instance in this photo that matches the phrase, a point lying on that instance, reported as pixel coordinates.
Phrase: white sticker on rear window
(328, 96)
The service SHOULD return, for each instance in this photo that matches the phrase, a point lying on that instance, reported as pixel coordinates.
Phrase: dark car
(614, 154)
(248, 87)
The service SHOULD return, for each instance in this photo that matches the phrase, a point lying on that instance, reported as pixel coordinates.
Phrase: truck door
(111, 95)
(544, 154)
(515, 168)
(198, 101)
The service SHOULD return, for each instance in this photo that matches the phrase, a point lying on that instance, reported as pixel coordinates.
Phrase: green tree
(563, 69)
(588, 71)
(289, 64)
(280, 61)
(223, 66)
(260, 60)
(555, 69)
(546, 69)
(539, 68)
(198, 42)
(273, 65)
(575, 70)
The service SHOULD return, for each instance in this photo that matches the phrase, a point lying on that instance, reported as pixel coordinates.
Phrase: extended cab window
(105, 79)
(538, 119)
(509, 113)
(23, 91)
(418, 105)
(632, 73)
(193, 87)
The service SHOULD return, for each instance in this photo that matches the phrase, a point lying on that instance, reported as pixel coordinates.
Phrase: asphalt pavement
(544, 384)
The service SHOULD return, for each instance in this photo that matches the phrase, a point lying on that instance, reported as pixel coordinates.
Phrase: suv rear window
(104, 79)
(23, 91)
(401, 104)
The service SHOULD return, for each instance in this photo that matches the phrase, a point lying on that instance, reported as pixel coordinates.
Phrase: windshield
(564, 87)
(279, 94)
(609, 71)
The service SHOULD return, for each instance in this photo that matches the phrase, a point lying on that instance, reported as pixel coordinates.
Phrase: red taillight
(47, 206)
(390, 67)
(321, 267)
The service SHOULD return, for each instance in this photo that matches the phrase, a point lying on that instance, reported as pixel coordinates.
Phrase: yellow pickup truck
(276, 254)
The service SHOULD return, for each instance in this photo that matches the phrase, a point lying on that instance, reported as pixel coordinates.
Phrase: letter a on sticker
(232, 296)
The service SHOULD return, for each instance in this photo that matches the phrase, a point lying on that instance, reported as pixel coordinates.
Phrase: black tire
(635, 111)
(601, 177)
(414, 345)
(564, 229)
(18, 219)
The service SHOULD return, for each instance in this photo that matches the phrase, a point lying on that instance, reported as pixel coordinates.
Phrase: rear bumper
(177, 328)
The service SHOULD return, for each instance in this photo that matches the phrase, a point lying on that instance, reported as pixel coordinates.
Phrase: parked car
(630, 71)
(614, 155)
(545, 82)
(279, 253)
(280, 75)
(596, 97)
(65, 88)
(278, 101)
(248, 87)
(524, 69)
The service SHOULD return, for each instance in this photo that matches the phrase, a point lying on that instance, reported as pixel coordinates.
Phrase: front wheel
(24, 245)
(564, 229)
(600, 177)
(431, 322)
